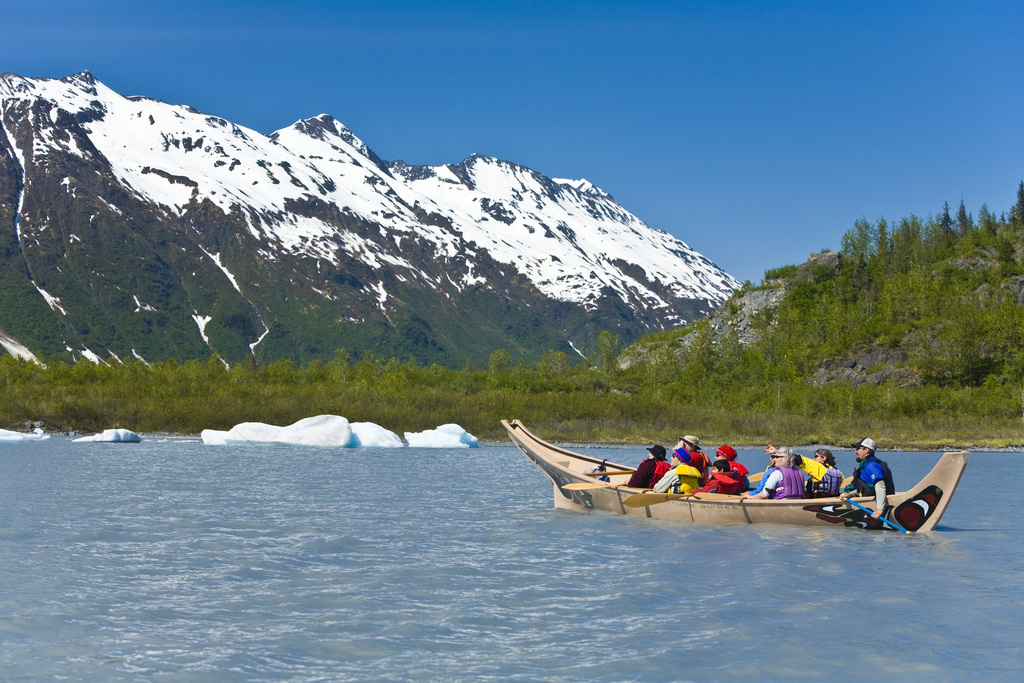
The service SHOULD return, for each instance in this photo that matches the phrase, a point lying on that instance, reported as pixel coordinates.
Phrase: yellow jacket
(812, 467)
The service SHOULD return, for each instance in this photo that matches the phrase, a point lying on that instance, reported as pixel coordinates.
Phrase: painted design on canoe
(910, 514)
(919, 508)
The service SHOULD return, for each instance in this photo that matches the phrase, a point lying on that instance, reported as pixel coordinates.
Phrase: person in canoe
(785, 480)
(680, 478)
(871, 477)
(651, 470)
(722, 479)
(688, 453)
(737, 468)
(828, 485)
(770, 450)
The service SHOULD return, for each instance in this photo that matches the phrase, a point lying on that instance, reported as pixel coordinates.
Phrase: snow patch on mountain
(568, 237)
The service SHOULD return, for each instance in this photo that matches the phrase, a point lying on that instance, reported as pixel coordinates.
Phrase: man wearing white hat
(872, 477)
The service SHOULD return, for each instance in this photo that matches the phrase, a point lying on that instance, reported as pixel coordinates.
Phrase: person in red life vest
(722, 480)
(688, 453)
(786, 480)
(650, 470)
(737, 468)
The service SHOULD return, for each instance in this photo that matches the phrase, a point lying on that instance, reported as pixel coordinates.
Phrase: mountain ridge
(298, 243)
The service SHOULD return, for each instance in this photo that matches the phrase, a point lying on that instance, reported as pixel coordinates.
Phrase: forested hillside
(912, 333)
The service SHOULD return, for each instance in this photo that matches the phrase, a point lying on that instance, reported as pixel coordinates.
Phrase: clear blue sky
(757, 132)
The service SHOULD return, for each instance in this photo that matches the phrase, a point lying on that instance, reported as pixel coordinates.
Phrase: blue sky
(757, 132)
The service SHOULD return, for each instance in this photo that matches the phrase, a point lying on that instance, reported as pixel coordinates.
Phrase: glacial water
(174, 561)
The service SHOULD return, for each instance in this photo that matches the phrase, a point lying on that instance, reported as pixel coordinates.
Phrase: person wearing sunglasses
(829, 484)
(784, 480)
(872, 477)
(688, 453)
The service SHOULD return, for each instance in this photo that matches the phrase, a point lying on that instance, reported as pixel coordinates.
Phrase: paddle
(894, 525)
(587, 485)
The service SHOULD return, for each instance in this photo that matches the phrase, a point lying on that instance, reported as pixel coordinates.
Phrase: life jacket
(829, 485)
(739, 468)
(740, 472)
(723, 482)
(792, 484)
(689, 479)
(659, 471)
(700, 462)
(865, 489)
(644, 475)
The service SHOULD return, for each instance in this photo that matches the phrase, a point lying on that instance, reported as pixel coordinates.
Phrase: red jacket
(722, 482)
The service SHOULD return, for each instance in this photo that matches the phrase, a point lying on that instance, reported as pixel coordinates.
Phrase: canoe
(917, 509)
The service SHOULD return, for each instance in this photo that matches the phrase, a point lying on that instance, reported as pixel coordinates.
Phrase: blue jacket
(764, 480)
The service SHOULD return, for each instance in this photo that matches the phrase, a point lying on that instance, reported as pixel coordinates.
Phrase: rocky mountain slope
(133, 227)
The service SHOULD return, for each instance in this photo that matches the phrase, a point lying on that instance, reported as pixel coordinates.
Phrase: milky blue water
(174, 561)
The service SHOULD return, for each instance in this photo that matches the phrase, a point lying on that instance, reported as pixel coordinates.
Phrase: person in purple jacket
(786, 480)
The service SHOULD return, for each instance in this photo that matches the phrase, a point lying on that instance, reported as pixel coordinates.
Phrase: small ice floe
(16, 437)
(322, 430)
(445, 436)
(370, 435)
(112, 436)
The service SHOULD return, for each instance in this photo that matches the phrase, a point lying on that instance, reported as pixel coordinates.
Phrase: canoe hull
(917, 509)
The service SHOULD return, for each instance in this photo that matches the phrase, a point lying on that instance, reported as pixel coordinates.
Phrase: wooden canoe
(917, 509)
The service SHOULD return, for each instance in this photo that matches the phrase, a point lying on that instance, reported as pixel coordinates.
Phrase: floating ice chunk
(322, 430)
(14, 437)
(113, 436)
(370, 435)
(214, 437)
(445, 436)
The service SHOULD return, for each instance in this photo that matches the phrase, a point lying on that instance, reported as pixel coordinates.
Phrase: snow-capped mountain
(129, 226)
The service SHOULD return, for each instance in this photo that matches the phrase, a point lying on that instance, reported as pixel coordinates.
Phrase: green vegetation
(936, 304)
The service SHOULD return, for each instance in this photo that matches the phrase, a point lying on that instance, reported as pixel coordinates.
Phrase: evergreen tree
(987, 220)
(964, 222)
(945, 222)
(1017, 212)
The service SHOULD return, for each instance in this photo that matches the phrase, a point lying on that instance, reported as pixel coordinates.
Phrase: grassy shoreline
(577, 405)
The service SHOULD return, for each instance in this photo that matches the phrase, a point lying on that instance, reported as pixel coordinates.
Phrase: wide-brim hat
(692, 440)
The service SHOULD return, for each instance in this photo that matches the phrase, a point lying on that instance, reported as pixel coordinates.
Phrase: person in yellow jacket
(680, 478)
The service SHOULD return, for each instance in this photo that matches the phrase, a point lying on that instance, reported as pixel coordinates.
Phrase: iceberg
(112, 436)
(322, 430)
(337, 432)
(370, 435)
(445, 436)
(7, 436)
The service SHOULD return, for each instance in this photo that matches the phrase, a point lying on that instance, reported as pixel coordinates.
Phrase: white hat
(866, 443)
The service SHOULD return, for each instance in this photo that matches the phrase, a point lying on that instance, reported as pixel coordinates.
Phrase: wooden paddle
(587, 485)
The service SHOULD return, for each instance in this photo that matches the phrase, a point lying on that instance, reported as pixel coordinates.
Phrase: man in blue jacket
(872, 477)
